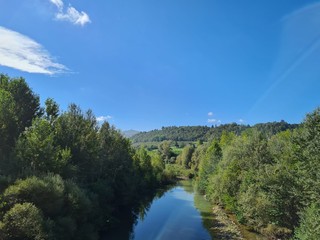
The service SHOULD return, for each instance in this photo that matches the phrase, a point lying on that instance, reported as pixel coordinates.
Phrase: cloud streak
(59, 4)
(70, 14)
(212, 120)
(103, 118)
(23, 53)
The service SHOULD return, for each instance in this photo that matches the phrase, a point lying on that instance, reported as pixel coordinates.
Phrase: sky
(145, 64)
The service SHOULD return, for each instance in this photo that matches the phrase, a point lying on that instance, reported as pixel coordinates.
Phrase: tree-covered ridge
(185, 133)
(205, 133)
(272, 128)
(62, 175)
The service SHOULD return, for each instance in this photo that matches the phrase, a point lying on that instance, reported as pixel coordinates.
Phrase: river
(177, 213)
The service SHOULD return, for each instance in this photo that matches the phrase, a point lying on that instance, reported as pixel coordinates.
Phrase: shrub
(23, 221)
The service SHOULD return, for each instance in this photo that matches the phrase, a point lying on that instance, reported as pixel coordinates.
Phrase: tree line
(205, 133)
(63, 175)
(269, 179)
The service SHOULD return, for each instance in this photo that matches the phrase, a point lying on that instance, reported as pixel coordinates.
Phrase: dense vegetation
(204, 133)
(269, 179)
(62, 175)
(188, 133)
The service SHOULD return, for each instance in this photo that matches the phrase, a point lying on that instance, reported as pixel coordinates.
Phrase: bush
(46, 193)
(23, 221)
(65, 206)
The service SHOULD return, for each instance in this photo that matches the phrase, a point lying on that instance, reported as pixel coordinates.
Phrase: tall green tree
(165, 150)
(185, 156)
(78, 132)
(27, 103)
(142, 161)
(308, 155)
(8, 124)
(37, 151)
(51, 110)
(208, 165)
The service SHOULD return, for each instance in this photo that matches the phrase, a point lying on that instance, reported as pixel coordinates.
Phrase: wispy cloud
(103, 118)
(58, 3)
(212, 120)
(23, 53)
(210, 113)
(241, 121)
(70, 14)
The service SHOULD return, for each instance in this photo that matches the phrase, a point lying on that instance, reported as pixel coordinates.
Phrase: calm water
(179, 213)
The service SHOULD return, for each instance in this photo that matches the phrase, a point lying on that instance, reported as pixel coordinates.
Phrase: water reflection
(170, 214)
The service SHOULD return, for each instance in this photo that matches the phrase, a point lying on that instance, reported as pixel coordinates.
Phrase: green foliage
(197, 155)
(271, 128)
(158, 167)
(63, 203)
(18, 107)
(185, 156)
(64, 176)
(46, 193)
(37, 151)
(142, 162)
(172, 171)
(216, 132)
(8, 123)
(74, 172)
(266, 176)
(150, 166)
(204, 133)
(186, 133)
(51, 110)
(115, 164)
(78, 132)
(27, 104)
(23, 222)
(165, 150)
(208, 165)
(226, 138)
(307, 153)
(309, 228)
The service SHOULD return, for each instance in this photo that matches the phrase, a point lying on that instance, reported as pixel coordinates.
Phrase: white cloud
(241, 120)
(71, 14)
(23, 53)
(103, 118)
(210, 113)
(212, 120)
(58, 3)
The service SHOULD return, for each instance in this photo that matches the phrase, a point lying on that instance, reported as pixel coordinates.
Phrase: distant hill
(205, 133)
(186, 133)
(272, 128)
(129, 133)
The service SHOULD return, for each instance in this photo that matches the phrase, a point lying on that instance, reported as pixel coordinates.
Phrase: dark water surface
(179, 213)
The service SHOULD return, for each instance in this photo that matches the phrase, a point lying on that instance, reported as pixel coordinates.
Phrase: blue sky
(145, 64)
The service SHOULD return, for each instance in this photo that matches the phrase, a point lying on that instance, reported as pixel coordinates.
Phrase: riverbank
(225, 226)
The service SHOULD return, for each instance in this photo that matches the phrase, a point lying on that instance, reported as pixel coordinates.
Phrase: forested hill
(193, 133)
(185, 133)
